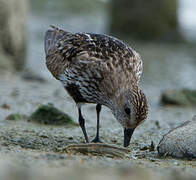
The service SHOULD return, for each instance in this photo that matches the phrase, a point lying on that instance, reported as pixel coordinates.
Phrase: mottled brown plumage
(99, 69)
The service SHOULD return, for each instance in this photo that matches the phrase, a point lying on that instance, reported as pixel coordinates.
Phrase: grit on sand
(29, 150)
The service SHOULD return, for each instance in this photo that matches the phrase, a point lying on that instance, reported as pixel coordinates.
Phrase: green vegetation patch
(48, 114)
(184, 97)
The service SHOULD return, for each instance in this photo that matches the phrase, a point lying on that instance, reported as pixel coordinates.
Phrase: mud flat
(34, 150)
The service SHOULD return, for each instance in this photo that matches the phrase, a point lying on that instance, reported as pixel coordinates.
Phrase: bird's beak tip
(128, 132)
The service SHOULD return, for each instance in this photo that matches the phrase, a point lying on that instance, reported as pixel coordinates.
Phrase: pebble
(176, 163)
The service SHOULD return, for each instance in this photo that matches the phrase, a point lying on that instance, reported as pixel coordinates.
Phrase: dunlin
(100, 69)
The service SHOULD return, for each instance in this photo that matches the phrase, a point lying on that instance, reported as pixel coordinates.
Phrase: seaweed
(48, 114)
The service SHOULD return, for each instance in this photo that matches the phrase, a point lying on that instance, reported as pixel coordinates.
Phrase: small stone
(114, 140)
(176, 163)
(157, 124)
(16, 117)
(150, 147)
(144, 148)
(152, 160)
(5, 106)
(179, 142)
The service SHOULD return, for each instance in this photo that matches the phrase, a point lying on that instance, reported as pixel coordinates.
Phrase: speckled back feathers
(98, 67)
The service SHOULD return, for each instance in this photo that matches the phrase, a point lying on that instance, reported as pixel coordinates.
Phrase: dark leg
(82, 124)
(98, 109)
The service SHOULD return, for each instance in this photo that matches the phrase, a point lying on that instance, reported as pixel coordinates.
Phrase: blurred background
(163, 32)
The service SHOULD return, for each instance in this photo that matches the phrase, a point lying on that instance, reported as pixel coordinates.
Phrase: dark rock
(5, 106)
(185, 97)
(179, 142)
(144, 147)
(48, 114)
(150, 147)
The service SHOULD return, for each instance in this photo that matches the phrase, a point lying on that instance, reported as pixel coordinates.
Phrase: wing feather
(64, 49)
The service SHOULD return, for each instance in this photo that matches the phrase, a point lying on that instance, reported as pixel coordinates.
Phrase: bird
(99, 69)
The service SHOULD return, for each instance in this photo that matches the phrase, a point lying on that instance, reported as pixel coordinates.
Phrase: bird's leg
(82, 124)
(98, 109)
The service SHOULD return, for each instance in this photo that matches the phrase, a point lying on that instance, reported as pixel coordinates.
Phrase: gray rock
(12, 35)
(179, 142)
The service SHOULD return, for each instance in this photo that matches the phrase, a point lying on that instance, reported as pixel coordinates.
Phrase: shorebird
(100, 69)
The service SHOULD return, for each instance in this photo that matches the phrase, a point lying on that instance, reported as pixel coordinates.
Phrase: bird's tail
(51, 37)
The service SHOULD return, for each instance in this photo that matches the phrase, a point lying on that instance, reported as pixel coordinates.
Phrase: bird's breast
(80, 87)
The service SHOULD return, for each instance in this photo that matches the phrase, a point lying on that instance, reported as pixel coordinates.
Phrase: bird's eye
(128, 110)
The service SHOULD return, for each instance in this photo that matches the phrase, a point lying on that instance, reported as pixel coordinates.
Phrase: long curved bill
(128, 132)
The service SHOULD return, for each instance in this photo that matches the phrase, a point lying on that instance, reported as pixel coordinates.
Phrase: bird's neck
(117, 104)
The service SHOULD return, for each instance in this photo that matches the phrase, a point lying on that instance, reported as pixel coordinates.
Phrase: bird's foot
(96, 140)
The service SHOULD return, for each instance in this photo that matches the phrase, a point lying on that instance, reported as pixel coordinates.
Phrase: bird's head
(131, 110)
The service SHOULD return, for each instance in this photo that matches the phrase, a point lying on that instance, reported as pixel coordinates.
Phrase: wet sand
(30, 147)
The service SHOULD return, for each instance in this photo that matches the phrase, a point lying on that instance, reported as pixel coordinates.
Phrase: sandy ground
(27, 149)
